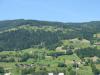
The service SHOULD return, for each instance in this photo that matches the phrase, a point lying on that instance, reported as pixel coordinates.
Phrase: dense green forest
(39, 47)
(21, 34)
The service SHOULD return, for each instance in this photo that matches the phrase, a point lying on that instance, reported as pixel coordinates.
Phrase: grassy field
(53, 62)
(77, 43)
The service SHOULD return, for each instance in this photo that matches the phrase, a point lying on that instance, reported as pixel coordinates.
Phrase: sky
(51, 10)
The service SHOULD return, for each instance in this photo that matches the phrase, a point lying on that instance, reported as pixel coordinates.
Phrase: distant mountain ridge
(6, 24)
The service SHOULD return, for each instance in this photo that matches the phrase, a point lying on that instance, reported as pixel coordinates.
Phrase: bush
(26, 71)
(62, 65)
(56, 53)
(2, 70)
(69, 52)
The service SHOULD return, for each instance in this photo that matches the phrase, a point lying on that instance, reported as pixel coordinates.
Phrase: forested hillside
(21, 34)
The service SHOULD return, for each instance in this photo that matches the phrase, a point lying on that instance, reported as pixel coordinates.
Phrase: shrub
(62, 65)
(2, 70)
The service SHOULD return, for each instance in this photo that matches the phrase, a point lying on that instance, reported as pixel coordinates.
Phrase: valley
(32, 47)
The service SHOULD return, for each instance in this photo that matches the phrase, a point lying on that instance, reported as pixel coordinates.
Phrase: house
(7, 73)
(98, 43)
(95, 58)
